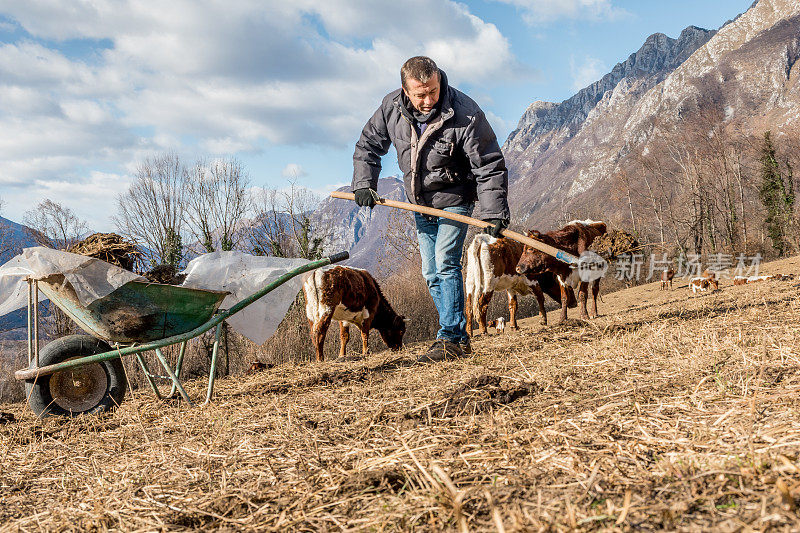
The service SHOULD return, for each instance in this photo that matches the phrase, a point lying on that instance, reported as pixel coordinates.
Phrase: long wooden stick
(561, 255)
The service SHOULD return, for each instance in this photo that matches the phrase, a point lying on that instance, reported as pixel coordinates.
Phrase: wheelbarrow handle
(561, 255)
(340, 256)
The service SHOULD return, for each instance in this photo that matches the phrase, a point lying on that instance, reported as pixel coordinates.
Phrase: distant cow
(666, 278)
(257, 366)
(742, 280)
(500, 324)
(351, 296)
(575, 238)
(491, 266)
(702, 284)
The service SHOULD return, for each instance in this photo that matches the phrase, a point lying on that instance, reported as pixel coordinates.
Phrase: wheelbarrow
(82, 374)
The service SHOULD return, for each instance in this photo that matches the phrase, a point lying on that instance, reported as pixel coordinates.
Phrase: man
(450, 158)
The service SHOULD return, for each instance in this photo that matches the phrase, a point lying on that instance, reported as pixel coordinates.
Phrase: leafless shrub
(151, 212)
(54, 225)
(284, 225)
(217, 203)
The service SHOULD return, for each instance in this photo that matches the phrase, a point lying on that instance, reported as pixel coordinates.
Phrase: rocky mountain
(562, 155)
(360, 230)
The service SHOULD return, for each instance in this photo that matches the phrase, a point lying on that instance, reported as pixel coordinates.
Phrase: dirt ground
(670, 411)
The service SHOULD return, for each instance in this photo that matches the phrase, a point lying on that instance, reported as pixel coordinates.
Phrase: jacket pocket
(438, 179)
(440, 155)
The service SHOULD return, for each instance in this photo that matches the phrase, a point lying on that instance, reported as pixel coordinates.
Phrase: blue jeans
(441, 242)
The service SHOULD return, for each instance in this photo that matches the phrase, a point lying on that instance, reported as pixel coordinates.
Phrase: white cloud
(586, 72)
(293, 171)
(92, 199)
(536, 12)
(225, 77)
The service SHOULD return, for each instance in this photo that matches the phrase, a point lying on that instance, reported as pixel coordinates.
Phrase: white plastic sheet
(242, 275)
(91, 278)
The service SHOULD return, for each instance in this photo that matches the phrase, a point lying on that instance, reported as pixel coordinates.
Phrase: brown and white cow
(702, 284)
(666, 278)
(351, 296)
(743, 280)
(491, 266)
(575, 238)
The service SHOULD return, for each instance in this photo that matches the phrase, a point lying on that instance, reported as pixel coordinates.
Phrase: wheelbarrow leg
(213, 372)
(178, 366)
(175, 381)
(149, 376)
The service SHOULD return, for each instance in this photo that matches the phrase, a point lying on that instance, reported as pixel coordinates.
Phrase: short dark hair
(419, 68)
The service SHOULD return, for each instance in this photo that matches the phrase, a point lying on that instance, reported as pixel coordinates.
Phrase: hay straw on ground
(670, 411)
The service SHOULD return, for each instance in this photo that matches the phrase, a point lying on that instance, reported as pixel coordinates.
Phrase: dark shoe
(466, 347)
(441, 350)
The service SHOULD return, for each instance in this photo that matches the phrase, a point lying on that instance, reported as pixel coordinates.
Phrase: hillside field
(670, 411)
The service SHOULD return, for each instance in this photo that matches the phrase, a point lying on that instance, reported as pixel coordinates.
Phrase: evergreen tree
(777, 196)
(174, 248)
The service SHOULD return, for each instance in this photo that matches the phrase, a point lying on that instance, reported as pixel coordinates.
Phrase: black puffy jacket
(456, 160)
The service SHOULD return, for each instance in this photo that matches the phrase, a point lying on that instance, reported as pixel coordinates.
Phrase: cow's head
(532, 261)
(393, 336)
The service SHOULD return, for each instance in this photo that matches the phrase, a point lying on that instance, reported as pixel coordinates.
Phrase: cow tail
(474, 273)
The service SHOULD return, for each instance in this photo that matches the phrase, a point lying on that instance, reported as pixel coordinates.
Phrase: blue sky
(90, 89)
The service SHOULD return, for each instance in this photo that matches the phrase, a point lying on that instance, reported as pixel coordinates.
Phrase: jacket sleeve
(371, 146)
(488, 166)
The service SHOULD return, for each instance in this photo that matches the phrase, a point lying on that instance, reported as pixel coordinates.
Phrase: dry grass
(670, 411)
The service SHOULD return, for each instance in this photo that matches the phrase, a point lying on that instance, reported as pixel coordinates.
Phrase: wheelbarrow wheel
(86, 389)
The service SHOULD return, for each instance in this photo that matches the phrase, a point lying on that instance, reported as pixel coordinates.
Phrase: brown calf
(491, 266)
(257, 366)
(575, 238)
(666, 278)
(351, 296)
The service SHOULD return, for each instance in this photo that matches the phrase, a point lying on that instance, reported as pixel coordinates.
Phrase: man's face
(423, 96)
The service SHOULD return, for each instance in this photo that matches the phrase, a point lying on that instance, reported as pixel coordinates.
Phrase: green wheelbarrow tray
(138, 311)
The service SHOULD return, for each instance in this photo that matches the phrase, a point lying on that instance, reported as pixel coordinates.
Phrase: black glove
(366, 197)
(497, 224)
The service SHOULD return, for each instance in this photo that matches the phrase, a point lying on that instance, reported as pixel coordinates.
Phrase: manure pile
(108, 247)
(614, 243)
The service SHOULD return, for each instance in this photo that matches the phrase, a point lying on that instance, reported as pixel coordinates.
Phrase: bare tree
(54, 225)
(217, 202)
(151, 211)
(285, 225)
(401, 248)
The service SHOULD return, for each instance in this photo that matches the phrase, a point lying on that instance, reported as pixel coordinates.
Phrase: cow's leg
(483, 309)
(564, 295)
(539, 293)
(595, 292)
(512, 310)
(318, 335)
(583, 293)
(468, 313)
(365, 327)
(344, 337)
